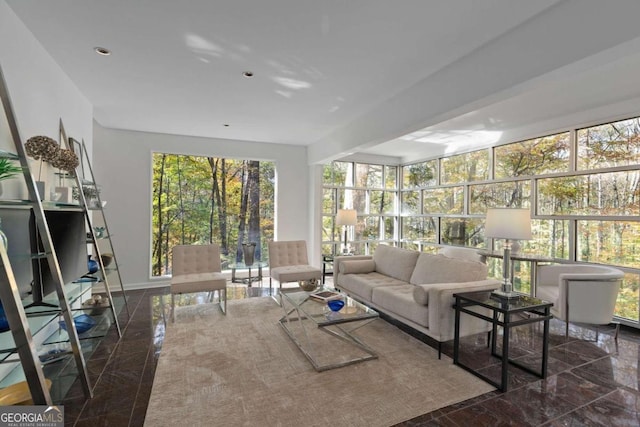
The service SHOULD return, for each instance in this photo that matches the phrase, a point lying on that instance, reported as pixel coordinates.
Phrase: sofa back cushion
(462, 253)
(357, 266)
(395, 262)
(441, 269)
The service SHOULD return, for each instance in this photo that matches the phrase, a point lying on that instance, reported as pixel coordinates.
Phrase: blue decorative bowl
(83, 323)
(335, 304)
(92, 265)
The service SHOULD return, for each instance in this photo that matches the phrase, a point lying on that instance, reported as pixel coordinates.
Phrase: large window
(583, 187)
(370, 189)
(533, 157)
(208, 199)
(609, 145)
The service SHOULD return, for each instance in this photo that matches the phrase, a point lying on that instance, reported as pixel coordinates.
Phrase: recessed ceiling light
(248, 74)
(102, 51)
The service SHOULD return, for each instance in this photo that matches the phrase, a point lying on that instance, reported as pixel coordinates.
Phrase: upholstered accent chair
(289, 262)
(197, 268)
(581, 293)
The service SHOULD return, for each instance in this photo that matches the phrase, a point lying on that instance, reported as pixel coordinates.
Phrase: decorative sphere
(335, 304)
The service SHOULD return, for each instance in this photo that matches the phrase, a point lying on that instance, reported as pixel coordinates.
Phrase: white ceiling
(319, 67)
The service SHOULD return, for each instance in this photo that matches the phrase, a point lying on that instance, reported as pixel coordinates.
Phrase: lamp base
(502, 295)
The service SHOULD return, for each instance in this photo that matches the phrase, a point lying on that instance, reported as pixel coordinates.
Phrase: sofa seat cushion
(196, 282)
(395, 262)
(293, 273)
(441, 269)
(362, 285)
(399, 300)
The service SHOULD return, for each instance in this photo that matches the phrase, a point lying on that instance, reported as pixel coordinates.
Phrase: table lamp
(509, 224)
(346, 218)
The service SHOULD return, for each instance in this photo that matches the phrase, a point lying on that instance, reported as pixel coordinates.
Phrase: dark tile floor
(590, 382)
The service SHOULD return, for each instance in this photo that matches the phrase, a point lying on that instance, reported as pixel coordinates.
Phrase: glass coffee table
(305, 316)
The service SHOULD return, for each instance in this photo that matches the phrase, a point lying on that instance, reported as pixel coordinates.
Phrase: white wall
(122, 165)
(43, 94)
(40, 91)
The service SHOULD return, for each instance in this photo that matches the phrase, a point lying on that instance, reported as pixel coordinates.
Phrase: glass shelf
(36, 324)
(73, 291)
(8, 155)
(39, 316)
(15, 203)
(26, 256)
(100, 330)
(60, 370)
(48, 205)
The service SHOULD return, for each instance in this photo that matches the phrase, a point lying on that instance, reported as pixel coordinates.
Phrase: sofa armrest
(338, 259)
(442, 314)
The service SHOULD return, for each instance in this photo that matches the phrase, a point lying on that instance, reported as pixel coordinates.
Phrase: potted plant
(8, 170)
(90, 192)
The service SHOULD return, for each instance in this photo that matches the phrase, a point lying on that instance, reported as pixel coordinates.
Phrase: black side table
(504, 314)
(327, 260)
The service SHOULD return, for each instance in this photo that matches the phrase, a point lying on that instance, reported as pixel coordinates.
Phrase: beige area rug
(243, 370)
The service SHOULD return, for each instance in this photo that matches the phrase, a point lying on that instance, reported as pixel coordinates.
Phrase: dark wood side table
(506, 314)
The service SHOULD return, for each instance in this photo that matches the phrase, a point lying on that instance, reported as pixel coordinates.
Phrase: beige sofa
(415, 288)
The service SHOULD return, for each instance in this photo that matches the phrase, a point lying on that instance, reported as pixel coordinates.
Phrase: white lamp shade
(346, 217)
(507, 223)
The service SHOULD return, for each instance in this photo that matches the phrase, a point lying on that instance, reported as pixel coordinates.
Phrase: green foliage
(199, 200)
(467, 167)
(8, 169)
(369, 176)
(533, 157)
(608, 145)
(419, 174)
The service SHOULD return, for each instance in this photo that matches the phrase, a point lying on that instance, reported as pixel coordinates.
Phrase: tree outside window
(200, 200)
